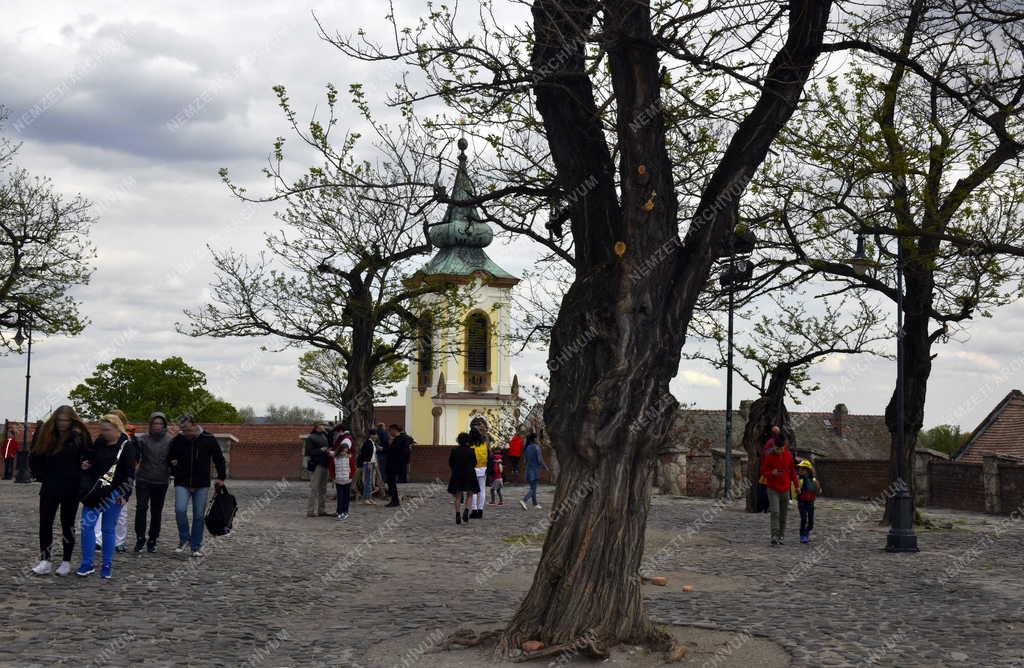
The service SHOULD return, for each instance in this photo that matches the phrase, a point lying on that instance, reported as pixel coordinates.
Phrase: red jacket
(515, 446)
(11, 448)
(780, 459)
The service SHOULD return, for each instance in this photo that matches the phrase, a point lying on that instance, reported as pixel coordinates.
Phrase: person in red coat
(779, 472)
(11, 448)
(515, 453)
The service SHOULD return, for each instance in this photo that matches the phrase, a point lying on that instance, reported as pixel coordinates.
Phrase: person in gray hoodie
(151, 481)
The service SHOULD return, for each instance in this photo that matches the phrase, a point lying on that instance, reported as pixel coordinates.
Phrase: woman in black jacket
(108, 475)
(56, 461)
(462, 462)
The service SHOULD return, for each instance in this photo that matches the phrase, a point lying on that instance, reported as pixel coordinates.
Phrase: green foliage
(292, 414)
(944, 438)
(140, 386)
(322, 374)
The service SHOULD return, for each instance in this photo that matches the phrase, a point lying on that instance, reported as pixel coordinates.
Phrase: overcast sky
(137, 105)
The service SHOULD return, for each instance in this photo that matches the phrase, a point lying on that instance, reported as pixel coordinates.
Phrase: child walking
(344, 474)
(462, 462)
(497, 479)
(808, 491)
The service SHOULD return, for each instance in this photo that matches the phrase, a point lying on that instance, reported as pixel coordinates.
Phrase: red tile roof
(1000, 433)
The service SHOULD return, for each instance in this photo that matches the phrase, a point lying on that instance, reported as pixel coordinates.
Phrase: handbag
(222, 512)
(104, 485)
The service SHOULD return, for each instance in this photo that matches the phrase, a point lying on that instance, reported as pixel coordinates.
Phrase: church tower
(463, 367)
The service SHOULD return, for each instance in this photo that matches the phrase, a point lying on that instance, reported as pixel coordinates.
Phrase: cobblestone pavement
(287, 590)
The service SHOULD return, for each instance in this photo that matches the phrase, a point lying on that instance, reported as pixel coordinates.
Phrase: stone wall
(1011, 488)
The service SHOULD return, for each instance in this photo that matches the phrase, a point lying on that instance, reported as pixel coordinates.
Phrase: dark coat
(366, 452)
(314, 442)
(462, 462)
(101, 457)
(61, 472)
(397, 455)
(194, 457)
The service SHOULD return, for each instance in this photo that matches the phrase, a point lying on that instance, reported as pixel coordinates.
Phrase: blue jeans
(367, 480)
(106, 515)
(532, 494)
(182, 495)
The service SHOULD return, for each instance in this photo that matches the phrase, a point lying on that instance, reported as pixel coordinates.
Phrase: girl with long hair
(55, 460)
(111, 460)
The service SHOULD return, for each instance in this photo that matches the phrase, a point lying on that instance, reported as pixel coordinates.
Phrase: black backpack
(222, 512)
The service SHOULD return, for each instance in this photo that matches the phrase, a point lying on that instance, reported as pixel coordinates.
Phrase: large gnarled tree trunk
(766, 411)
(627, 311)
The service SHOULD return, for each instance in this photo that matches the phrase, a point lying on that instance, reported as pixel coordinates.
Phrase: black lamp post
(901, 536)
(736, 274)
(21, 462)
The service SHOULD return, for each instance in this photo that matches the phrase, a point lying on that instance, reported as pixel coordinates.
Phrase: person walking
(779, 472)
(317, 447)
(515, 453)
(11, 448)
(497, 468)
(396, 460)
(366, 462)
(478, 442)
(533, 459)
(807, 492)
(109, 471)
(152, 479)
(463, 481)
(56, 462)
(344, 472)
(190, 455)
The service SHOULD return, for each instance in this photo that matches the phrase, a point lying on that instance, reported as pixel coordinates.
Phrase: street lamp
(21, 462)
(901, 536)
(741, 240)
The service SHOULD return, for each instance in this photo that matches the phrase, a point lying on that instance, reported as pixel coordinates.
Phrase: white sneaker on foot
(64, 568)
(522, 503)
(536, 506)
(197, 553)
(181, 548)
(42, 568)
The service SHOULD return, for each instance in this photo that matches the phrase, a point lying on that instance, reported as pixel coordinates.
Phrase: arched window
(478, 352)
(424, 352)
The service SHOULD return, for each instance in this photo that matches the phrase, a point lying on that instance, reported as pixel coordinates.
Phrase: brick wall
(698, 474)
(852, 478)
(1011, 488)
(284, 460)
(956, 485)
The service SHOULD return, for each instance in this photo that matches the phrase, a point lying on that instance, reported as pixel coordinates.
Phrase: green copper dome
(462, 234)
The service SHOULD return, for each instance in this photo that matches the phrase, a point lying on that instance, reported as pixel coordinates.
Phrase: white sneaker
(522, 503)
(198, 553)
(42, 568)
(64, 568)
(181, 548)
(537, 506)
(344, 516)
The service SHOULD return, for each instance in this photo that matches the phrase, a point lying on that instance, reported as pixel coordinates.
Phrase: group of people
(475, 465)
(102, 474)
(784, 479)
(331, 455)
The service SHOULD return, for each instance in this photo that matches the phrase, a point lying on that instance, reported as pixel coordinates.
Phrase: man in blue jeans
(534, 461)
(189, 456)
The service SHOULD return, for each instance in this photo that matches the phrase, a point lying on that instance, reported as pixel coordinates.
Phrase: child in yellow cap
(807, 492)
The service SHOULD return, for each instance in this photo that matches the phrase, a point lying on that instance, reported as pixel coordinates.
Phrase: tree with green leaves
(778, 351)
(322, 375)
(282, 414)
(944, 438)
(916, 151)
(582, 104)
(335, 278)
(44, 253)
(140, 386)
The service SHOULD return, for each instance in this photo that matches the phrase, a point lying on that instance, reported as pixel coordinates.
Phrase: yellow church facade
(463, 367)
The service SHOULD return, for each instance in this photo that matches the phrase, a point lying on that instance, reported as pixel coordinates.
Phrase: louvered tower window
(425, 352)
(478, 352)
